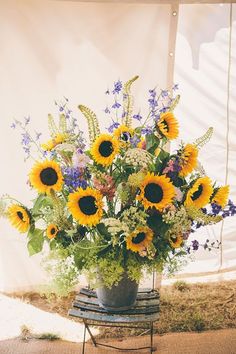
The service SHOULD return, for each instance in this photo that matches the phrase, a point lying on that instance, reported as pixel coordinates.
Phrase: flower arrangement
(123, 202)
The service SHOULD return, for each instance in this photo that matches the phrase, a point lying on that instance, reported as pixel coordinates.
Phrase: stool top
(146, 308)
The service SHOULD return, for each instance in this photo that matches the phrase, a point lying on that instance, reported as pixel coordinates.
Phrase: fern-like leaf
(175, 103)
(52, 126)
(93, 125)
(62, 124)
(200, 142)
(128, 102)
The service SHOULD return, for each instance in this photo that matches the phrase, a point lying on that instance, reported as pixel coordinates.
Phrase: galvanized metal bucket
(120, 297)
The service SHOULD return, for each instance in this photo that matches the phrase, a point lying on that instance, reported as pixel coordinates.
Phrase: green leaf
(40, 202)
(103, 231)
(35, 243)
(152, 142)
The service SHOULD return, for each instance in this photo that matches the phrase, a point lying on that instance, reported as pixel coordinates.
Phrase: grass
(184, 307)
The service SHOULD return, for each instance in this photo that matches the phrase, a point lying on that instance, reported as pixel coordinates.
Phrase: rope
(227, 122)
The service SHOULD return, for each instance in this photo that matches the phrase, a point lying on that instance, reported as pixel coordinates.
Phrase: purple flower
(38, 135)
(107, 92)
(134, 141)
(195, 245)
(164, 93)
(27, 120)
(25, 139)
(147, 130)
(152, 93)
(153, 103)
(175, 87)
(73, 178)
(117, 87)
(163, 109)
(116, 105)
(137, 116)
(13, 126)
(106, 110)
(112, 127)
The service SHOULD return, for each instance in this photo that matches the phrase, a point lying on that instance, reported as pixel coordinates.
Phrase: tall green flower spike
(62, 124)
(175, 103)
(92, 120)
(54, 130)
(52, 126)
(200, 142)
(128, 102)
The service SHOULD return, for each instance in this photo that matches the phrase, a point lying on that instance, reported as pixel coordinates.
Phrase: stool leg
(83, 348)
(151, 334)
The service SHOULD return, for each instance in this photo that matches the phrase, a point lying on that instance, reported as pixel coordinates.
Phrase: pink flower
(105, 185)
(80, 160)
(169, 167)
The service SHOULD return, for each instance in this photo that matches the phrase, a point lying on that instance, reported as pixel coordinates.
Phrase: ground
(195, 308)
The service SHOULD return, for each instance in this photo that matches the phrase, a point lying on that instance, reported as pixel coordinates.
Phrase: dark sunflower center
(48, 176)
(88, 205)
(53, 231)
(197, 194)
(174, 239)
(165, 125)
(106, 148)
(125, 136)
(153, 193)
(139, 238)
(20, 215)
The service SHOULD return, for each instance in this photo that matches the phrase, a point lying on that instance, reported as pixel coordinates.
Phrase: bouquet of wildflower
(123, 202)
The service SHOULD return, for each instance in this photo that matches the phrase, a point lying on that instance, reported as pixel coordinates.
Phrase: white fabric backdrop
(52, 49)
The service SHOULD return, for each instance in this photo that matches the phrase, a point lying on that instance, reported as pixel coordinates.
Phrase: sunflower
(45, 176)
(52, 143)
(175, 241)
(168, 125)
(156, 191)
(188, 158)
(123, 133)
(86, 206)
(104, 149)
(139, 239)
(51, 231)
(221, 196)
(19, 217)
(200, 193)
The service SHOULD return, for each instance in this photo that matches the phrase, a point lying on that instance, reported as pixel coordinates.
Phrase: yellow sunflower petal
(156, 191)
(200, 193)
(221, 196)
(104, 149)
(51, 231)
(123, 133)
(168, 125)
(139, 239)
(188, 159)
(86, 206)
(52, 143)
(19, 217)
(45, 176)
(176, 241)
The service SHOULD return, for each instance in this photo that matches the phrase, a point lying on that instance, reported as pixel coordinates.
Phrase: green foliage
(152, 143)
(36, 239)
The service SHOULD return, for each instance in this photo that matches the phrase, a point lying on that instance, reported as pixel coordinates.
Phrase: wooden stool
(146, 310)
